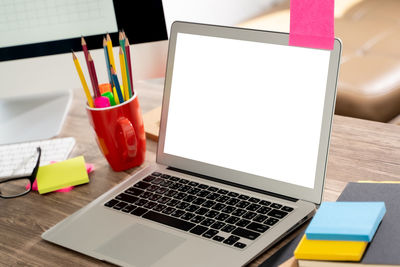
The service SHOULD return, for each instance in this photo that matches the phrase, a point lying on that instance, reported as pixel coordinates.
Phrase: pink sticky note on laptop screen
(312, 23)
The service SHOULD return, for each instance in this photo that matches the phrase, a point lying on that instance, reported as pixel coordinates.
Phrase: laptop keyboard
(214, 213)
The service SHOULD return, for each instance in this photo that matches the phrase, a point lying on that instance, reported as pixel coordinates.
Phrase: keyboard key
(203, 193)
(271, 221)
(260, 218)
(232, 219)
(228, 228)
(165, 176)
(218, 206)
(111, 203)
(253, 207)
(180, 195)
(244, 197)
(170, 221)
(254, 200)
(182, 205)
(184, 188)
(207, 222)
(257, 227)
(276, 206)
(209, 204)
(202, 186)
(222, 191)
(212, 189)
(222, 199)
(233, 201)
(173, 202)
(218, 238)
(193, 184)
(155, 197)
(157, 181)
(171, 193)
(141, 185)
(231, 240)
(192, 208)
(222, 217)
(245, 233)
(198, 230)
(288, 209)
(265, 203)
(159, 207)
(211, 214)
(164, 200)
(189, 198)
(174, 179)
(184, 181)
(156, 174)
(217, 225)
(210, 233)
(199, 201)
(128, 208)
(146, 195)
(150, 205)
(152, 188)
(238, 212)
(202, 211)
(175, 186)
(166, 183)
(194, 191)
(277, 213)
(228, 209)
(149, 178)
(177, 213)
(243, 223)
(120, 205)
(134, 191)
(127, 198)
(242, 204)
(141, 202)
(233, 194)
(197, 219)
(263, 210)
(250, 215)
(187, 216)
(139, 211)
(239, 245)
(213, 196)
(168, 210)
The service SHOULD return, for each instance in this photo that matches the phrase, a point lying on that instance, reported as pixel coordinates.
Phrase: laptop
(241, 157)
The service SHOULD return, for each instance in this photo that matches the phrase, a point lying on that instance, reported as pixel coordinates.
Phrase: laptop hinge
(233, 184)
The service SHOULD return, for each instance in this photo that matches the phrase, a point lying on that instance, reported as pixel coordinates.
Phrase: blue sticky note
(346, 221)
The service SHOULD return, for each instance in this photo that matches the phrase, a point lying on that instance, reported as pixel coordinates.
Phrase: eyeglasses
(19, 186)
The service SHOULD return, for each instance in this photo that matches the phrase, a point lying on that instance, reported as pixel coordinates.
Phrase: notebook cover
(347, 221)
(330, 250)
(384, 248)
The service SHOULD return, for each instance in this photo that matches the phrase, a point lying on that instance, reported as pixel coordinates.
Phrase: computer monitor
(36, 65)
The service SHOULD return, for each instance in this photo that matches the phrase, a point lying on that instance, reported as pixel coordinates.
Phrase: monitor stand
(33, 118)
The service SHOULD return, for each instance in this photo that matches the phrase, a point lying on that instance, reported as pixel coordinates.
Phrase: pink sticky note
(312, 23)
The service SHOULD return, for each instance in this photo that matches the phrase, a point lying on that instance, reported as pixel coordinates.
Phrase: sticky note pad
(62, 174)
(347, 221)
(330, 250)
(312, 23)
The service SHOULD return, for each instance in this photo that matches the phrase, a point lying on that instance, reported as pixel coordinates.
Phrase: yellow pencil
(116, 98)
(123, 72)
(83, 81)
(110, 51)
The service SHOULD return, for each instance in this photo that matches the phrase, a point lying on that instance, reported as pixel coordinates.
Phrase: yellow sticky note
(62, 174)
(330, 250)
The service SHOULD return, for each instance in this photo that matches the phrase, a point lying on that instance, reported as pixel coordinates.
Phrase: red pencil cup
(120, 133)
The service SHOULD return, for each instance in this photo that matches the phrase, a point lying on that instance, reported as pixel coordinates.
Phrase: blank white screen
(247, 106)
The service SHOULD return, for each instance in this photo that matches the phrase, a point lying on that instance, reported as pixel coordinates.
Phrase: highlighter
(110, 97)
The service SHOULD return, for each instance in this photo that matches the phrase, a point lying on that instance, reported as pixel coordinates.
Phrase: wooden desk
(360, 150)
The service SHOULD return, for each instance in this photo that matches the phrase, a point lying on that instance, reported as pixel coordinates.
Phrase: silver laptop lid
(243, 106)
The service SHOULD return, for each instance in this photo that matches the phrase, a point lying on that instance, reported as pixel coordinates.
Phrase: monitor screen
(248, 106)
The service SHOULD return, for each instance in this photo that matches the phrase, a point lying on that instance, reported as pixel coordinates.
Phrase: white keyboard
(20, 159)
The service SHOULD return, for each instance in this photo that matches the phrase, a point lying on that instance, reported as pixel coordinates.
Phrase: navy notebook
(384, 247)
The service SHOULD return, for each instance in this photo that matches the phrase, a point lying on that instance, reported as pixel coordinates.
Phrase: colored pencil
(83, 80)
(123, 72)
(110, 51)
(117, 87)
(128, 57)
(122, 44)
(86, 52)
(96, 89)
(107, 61)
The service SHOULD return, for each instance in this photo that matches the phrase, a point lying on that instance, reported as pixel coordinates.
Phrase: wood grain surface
(360, 150)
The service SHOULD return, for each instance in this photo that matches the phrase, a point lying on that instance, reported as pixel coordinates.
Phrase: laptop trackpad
(140, 245)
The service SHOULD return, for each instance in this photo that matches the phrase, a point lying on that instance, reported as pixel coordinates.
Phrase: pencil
(107, 61)
(117, 87)
(123, 72)
(86, 52)
(122, 44)
(96, 89)
(110, 51)
(128, 57)
(83, 81)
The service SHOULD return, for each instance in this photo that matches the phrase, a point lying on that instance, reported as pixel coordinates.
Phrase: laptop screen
(248, 106)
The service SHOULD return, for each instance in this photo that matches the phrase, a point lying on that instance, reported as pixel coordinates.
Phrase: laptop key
(141, 185)
(209, 204)
(207, 222)
(203, 193)
(244, 197)
(166, 183)
(177, 213)
(157, 181)
(217, 225)
(156, 174)
(180, 195)
(228, 228)
(134, 191)
(222, 191)
(222, 199)
(168, 210)
(174, 179)
(192, 208)
(233, 201)
(218, 206)
(212, 189)
(263, 210)
(249, 215)
(149, 178)
(166, 176)
(218, 238)
(184, 188)
(150, 205)
(159, 207)
(254, 200)
(111, 203)
(257, 227)
(197, 219)
(238, 212)
(127, 198)
(265, 203)
(175, 186)
(211, 214)
(168, 220)
(243, 223)
(155, 197)
(271, 221)
(233, 194)
(228, 209)
(194, 191)
(253, 207)
(187, 216)
(164, 200)
(128, 208)
(231, 240)
(198, 230)
(193, 184)
(213, 196)
(184, 181)
(141, 202)
(260, 218)
(222, 217)
(276, 206)
(210, 233)
(242, 204)
(152, 188)
(199, 201)
(139, 211)
(120, 205)
(189, 198)
(232, 219)
(146, 194)
(277, 213)
(286, 208)
(182, 205)
(202, 211)
(171, 193)
(245, 233)
(173, 202)
(202, 186)
(239, 245)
